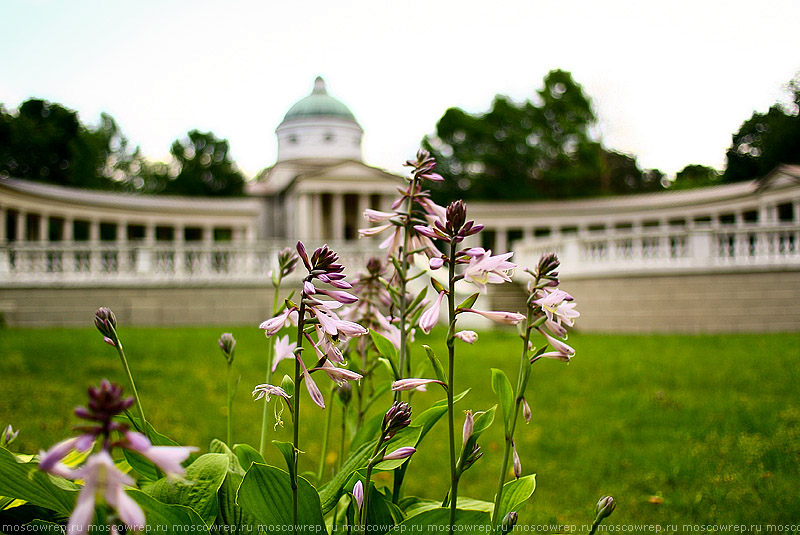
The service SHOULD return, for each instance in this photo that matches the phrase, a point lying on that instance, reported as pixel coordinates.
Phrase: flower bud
(604, 508)
(400, 453)
(8, 436)
(358, 493)
(106, 323)
(287, 261)
(227, 343)
(469, 423)
(456, 216)
(345, 393)
(509, 521)
(396, 418)
(374, 266)
(526, 411)
(517, 463)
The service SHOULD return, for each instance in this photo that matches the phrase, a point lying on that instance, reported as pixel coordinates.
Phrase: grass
(680, 429)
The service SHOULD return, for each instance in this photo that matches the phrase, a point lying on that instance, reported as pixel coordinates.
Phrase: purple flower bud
(345, 393)
(358, 493)
(400, 453)
(604, 508)
(396, 418)
(106, 323)
(509, 521)
(456, 216)
(517, 463)
(526, 411)
(469, 424)
(8, 436)
(227, 343)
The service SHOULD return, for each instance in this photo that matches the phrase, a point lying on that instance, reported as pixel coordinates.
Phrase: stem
(510, 436)
(344, 435)
(402, 275)
(451, 385)
(230, 407)
(296, 430)
(270, 348)
(325, 439)
(372, 462)
(124, 360)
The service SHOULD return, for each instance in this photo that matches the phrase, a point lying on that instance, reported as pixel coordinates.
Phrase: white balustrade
(669, 251)
(108, 263)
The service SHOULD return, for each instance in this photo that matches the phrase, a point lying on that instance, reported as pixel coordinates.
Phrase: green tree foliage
(204, 167)
(46, 142)
(693, 176)
(766, 140)
(545, 148)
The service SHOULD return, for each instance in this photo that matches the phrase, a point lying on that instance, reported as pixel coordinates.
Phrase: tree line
(47, 142)
(547, 147)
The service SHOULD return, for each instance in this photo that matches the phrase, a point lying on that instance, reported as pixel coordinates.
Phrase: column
(3, 230)
(178, 240)
(94, 246)
(500, 241)
(21, 226)
(4, 263)
(68, 238)
(121, 243)
(337, 213)
(316, 217)
(44, 228)
(144, 256)
(303, 217)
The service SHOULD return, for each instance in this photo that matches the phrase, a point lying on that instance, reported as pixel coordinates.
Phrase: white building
(711, 259)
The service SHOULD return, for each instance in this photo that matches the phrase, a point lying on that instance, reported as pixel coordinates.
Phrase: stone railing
(107, 263)
(671, 251)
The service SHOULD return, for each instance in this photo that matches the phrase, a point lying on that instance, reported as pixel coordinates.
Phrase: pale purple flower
(50, 460)
(309, 288)
(273, 325)
(340, 296)
(430, 317)
(469, 337)
(269, 390)
(486, 269)
(102, 478)
(517, 463)
(373, 231)
(167, 458)
(508, 318)
(340, 375)
(411, 384)
(358, 493)
(436, 262)
(400, 453)
(376, 216)
(393, 242)
(311, 386)
(559, 307)
(560, 347)
(526, 411)
(283, 350)
(469, 424)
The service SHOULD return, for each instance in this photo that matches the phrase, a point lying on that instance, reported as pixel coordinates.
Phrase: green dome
(319, 104)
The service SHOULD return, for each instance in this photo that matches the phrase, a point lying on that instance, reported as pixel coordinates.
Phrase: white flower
(486, 269)
(283, 350)
(167, 458)
(469, 337)
(430, 317)
(102, 478)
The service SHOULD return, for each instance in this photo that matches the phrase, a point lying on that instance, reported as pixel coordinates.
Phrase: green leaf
(166, 518)
(384, 346)
(502, 387)
(24, 481)
(266, 493)
(469, 301)
(429, 417)
(247, 455)
(415, 507)
(288, 385)
(142, 465)
(367, 432)
(437, 366)
(435, 521)
(515, 493)
(417, 300)
(407, 437)
(199, 487)
(289, 455)
(437, 286)
(330, 492)
(379, 515)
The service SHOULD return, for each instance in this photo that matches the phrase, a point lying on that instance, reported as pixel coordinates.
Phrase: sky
(670, 81)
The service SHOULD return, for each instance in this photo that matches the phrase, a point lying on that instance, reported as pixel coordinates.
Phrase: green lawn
(709, 426)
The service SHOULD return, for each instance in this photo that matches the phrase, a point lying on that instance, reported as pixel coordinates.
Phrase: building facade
(723, 258)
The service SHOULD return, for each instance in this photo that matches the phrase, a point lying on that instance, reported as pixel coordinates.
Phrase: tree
(693, 176)
(766, 140)
(203, 167)
(542, 149)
